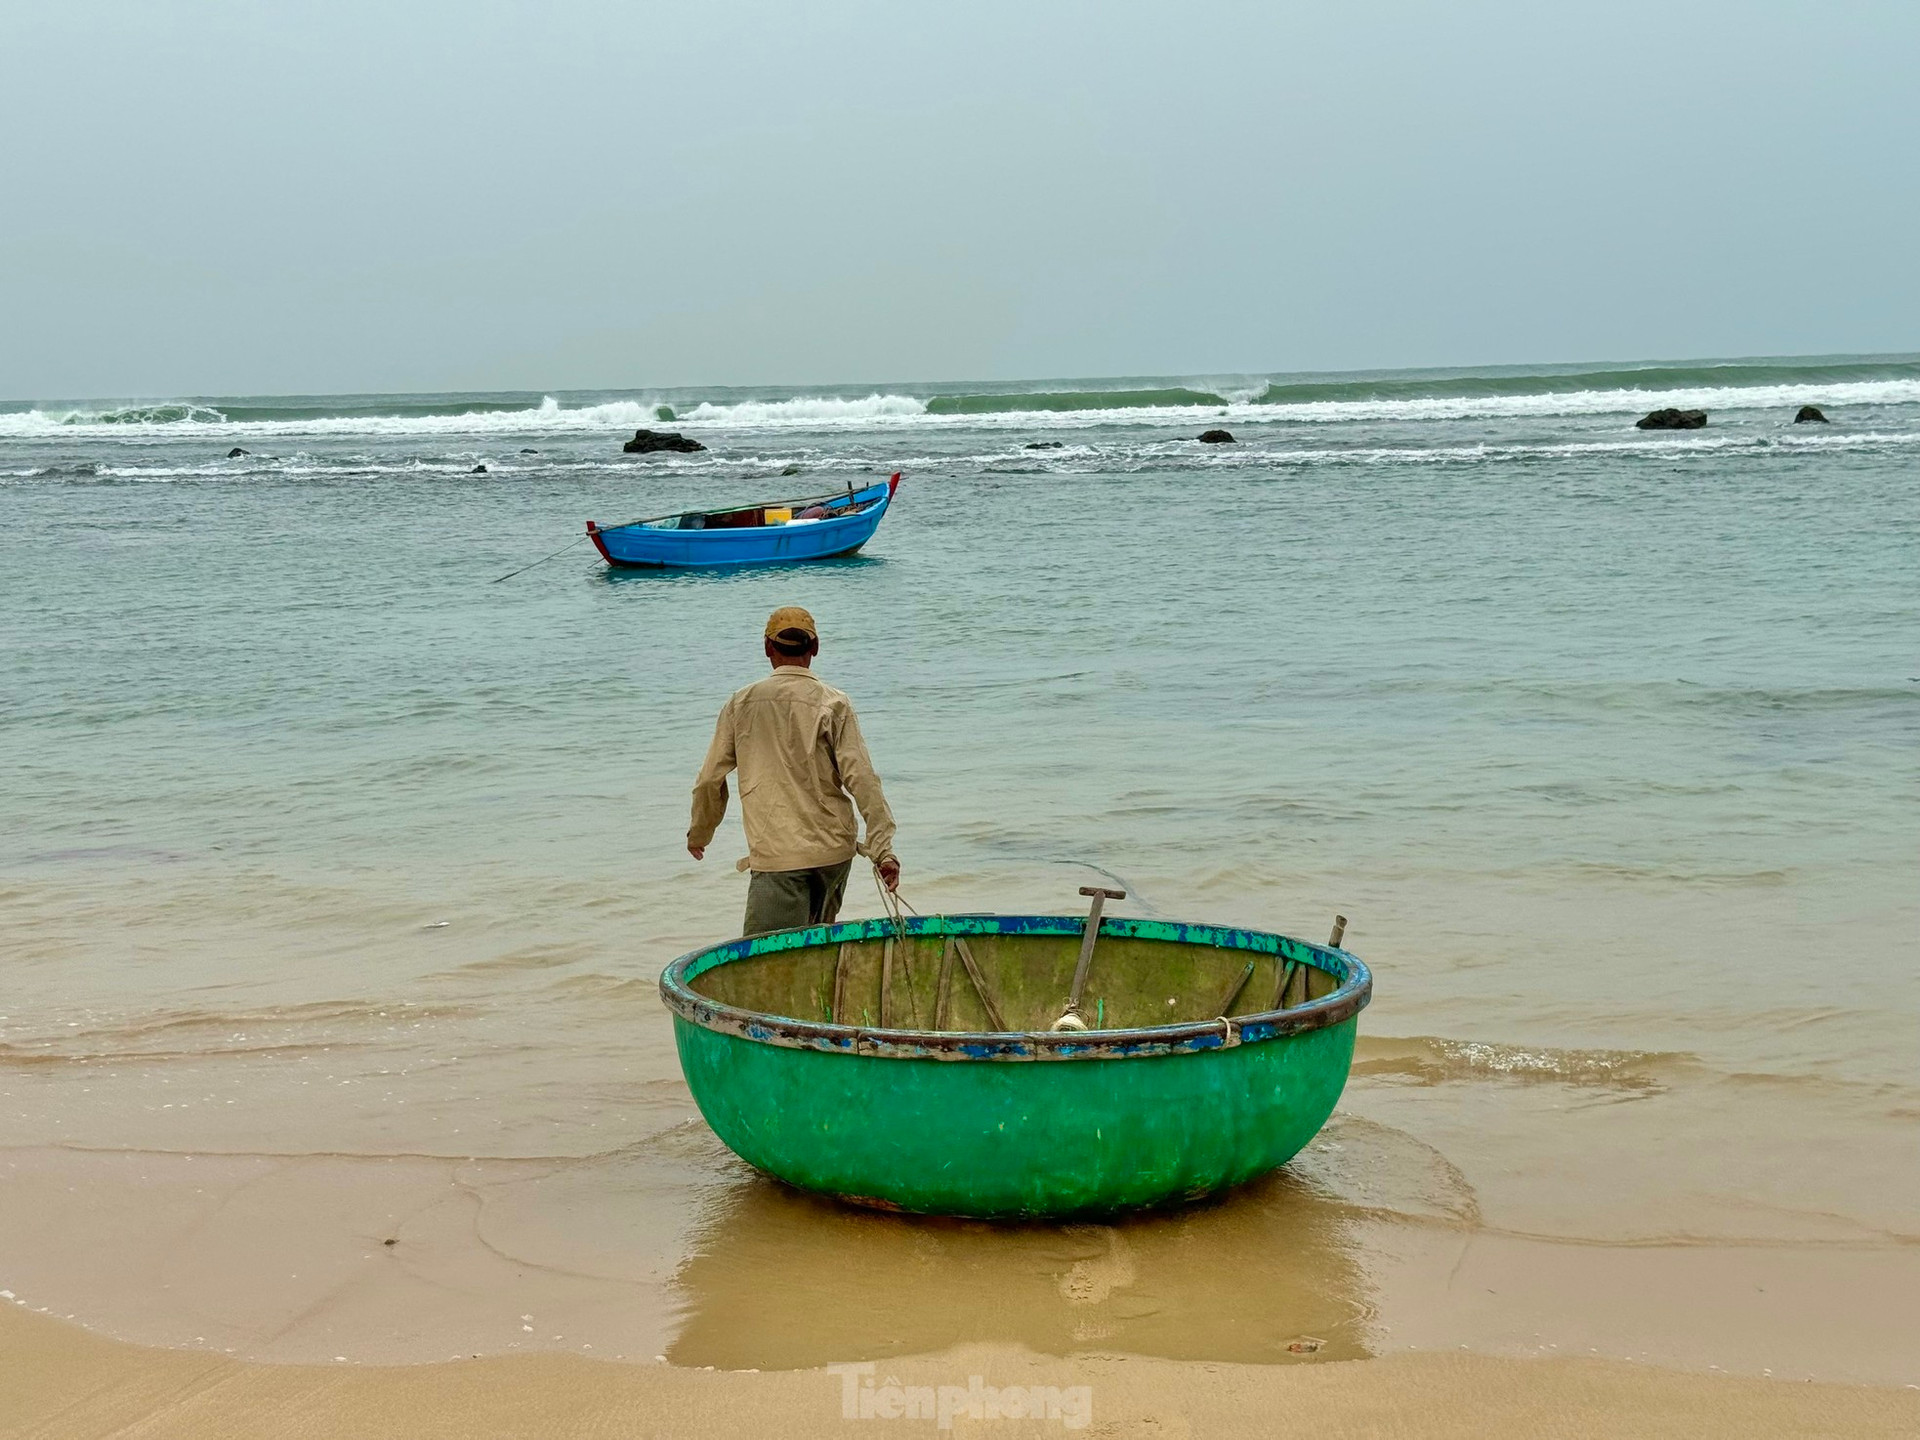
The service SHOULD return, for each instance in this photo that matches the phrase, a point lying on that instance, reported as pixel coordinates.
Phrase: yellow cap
(791, 617)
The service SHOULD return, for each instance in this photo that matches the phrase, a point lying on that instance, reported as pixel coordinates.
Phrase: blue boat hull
(655, 546)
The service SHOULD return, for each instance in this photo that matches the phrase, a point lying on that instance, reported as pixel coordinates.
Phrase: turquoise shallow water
(1607, 741)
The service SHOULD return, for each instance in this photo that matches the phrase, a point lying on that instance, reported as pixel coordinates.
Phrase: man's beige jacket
(796, 743)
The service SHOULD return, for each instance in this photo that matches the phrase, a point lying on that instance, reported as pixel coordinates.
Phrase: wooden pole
(943, 987)
(1070, 1017)
(1225, 1006)
(1280, 982)
(840, 986)
(994, 1018)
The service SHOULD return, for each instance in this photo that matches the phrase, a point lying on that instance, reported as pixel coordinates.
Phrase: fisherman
(797, 746)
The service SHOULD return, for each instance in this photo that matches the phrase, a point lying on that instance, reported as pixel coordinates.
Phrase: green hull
(1019, 1122)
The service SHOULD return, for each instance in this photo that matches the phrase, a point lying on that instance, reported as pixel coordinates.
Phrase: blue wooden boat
(814, 528)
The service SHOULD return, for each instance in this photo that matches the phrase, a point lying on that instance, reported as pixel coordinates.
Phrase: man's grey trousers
(789, 899)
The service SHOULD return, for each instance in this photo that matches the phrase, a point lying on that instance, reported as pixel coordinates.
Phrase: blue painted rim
(1350, 997)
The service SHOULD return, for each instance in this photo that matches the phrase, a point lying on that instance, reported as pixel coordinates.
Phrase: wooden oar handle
(1100, 897)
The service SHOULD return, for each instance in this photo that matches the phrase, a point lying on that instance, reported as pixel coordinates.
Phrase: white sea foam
(881, 413)
(1663, 446)
(1592, 402)
(1116, 457)
(550, 416)
(809, 410)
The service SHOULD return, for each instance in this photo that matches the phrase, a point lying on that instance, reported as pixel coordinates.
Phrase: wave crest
(175, 412)
(1071, 401)
(1629, 379)
(1540, 394)
(807, 409)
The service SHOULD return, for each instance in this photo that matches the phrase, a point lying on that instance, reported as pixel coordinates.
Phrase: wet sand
(679, 1256)
(210, 1194)
(63, 1383)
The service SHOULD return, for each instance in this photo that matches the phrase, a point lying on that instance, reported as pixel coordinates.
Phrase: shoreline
(410, 1260)
(64, 1383)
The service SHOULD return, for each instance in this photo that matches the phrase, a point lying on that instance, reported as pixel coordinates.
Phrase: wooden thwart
(1283, 982)
(994, 1017)
(1225, 1007)
(943, 987)
(840, 986)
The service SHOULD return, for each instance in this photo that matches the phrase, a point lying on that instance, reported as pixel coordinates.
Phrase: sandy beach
(483, 1298)
(64, 1384)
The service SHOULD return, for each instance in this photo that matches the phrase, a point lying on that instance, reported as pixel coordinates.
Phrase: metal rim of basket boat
(1348, 999)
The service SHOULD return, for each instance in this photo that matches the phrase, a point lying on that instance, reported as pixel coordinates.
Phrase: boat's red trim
(893, 484)
(593, 533)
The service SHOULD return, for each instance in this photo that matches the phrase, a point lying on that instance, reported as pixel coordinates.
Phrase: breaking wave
(179, 413)
(807, 410)
(1538, 393)
(549, 415)
(1632, 379)
(1071, 401)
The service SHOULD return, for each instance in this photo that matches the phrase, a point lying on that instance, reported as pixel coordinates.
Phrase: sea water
(325, 845)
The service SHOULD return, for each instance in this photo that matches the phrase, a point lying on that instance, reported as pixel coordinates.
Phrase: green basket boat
(909, 1064)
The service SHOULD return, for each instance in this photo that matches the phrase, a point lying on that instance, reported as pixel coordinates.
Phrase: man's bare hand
(890, 873)
(698, 852)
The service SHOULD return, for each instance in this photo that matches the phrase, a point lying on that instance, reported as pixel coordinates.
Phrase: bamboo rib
(994, 1017)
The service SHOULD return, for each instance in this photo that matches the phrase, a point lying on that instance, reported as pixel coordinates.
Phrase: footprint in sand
(1091, 1281)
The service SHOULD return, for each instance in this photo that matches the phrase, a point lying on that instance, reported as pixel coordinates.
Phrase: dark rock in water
(1671, 419)
(645, 442)
(1217, 437)
(529, 452)
(791, 470)
(478, 470)
(1810, 413)
(1046, 445)
(236, 452)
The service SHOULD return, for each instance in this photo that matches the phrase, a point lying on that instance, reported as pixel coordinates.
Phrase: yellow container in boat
(779, 515)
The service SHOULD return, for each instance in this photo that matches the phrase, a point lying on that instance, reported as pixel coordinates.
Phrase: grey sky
(205, 197)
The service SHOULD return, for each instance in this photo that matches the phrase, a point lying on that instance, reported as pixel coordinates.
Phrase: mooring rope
(542, 560)
(890, 902)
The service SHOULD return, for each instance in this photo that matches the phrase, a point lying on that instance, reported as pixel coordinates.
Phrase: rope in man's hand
(891, 901)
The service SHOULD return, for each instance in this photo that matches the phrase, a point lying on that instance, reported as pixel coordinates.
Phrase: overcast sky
(207, 196)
